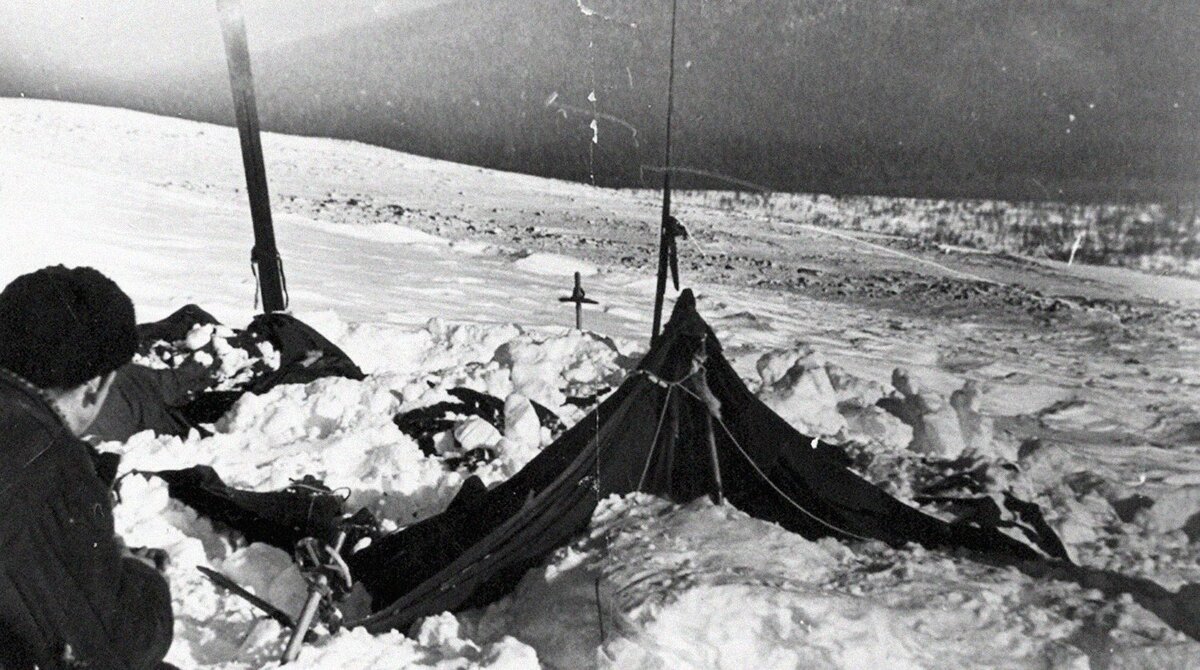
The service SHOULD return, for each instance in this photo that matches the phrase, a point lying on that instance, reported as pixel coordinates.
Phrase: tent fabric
(173, 328)
(147, 398)
(306, 508)
(660, 433)
(424, 423)
(1004, 511)
(177, 400)
(304, 354)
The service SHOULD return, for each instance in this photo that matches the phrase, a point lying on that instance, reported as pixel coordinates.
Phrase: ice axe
(283, 618)
(579, 298)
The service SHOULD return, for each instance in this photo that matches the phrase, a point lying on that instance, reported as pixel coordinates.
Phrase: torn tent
(304, 354)
(144, 398)
(180, 397)
(173, 328)
(425, 424)
(682, 417)
(305, 508)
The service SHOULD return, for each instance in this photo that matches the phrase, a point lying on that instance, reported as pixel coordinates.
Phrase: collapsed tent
(427, 424)
(144, 398)
(306, 508)
(179, 397)
(683, 425)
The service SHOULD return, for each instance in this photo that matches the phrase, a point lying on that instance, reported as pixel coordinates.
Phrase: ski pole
(315, 593)
(319, 588)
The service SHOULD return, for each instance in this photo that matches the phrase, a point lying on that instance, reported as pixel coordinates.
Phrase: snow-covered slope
(432, 275)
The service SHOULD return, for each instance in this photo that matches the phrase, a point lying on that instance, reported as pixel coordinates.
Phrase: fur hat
(60, 327)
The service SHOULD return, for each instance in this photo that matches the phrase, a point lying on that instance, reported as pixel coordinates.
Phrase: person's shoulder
(33, 442)
(25, 416)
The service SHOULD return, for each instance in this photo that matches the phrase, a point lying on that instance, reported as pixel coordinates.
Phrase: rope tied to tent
(607, 546)
(771, 483)
(697, 365)
(711, 403)
(705, 396)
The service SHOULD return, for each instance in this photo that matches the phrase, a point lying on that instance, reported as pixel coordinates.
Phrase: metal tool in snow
(579, 298)
(264, 256)
(328, 576)
(223, 581)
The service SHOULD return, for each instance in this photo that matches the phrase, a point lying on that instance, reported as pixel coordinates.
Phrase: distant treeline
(1151, 237)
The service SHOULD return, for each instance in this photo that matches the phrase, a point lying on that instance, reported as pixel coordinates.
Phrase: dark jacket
(68, 595)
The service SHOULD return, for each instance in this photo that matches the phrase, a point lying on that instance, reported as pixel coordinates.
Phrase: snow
(438, 644)
(379, 233)
(555, 264)
(1057, 415)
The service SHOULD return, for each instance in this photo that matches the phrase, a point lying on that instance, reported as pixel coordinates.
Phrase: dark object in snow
(177, 400)
(471, 459)
(680, 420)
(306, 508)
(1011, 512)
(586, 401)
(209, 407)
(304, 354)
(282, 618)
(423, 423)
(147, 398)
(1127, 508)
(174, 327)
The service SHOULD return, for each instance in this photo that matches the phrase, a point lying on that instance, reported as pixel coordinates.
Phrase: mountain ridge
(938, 99)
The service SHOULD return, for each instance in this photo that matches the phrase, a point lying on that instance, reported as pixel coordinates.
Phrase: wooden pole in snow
(264, 256)
(666, 238)
(579, 298)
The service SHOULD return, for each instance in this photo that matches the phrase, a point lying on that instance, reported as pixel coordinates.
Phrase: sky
(1081, 99)
(121, 36)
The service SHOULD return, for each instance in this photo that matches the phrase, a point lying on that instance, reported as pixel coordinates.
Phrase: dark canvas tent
(679, 423)
(143, 398)
(175, 400)
(307, 508)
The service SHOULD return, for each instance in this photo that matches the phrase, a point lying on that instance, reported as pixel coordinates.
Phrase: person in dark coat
(71, 595)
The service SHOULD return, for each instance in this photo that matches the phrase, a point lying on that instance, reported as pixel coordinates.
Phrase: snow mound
(341, 431)
(801, 392)
(437, 645)
(658, 585)
(555, 265)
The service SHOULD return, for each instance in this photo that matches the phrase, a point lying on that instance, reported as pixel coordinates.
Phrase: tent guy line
(772, 484)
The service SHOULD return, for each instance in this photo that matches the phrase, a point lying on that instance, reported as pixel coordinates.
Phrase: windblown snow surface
(432, 275)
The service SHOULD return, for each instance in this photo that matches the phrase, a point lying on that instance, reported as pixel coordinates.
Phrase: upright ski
(264, 256)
